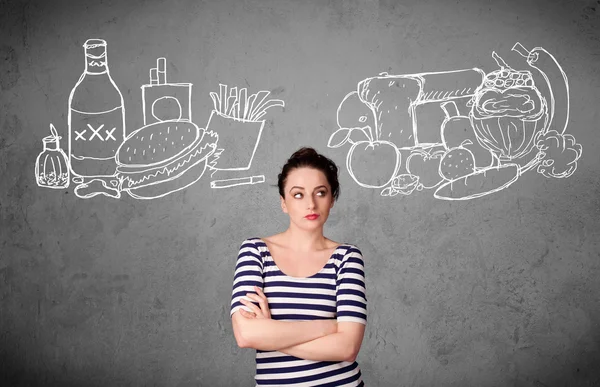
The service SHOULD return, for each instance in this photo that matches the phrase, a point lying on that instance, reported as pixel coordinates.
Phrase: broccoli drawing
(558, 154)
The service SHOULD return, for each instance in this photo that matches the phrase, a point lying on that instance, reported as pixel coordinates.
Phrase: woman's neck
(305, 241)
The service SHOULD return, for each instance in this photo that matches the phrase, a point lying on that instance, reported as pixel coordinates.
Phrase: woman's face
(308, 198)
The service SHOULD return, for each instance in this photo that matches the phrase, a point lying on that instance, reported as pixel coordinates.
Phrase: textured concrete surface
(498, 291)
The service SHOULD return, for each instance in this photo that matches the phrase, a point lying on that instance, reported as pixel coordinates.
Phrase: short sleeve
(351, 299)
(248, 273)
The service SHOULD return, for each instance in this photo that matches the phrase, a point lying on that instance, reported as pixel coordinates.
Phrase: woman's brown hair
(310, 158)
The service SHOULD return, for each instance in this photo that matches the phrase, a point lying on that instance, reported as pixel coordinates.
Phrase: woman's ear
(283, 206)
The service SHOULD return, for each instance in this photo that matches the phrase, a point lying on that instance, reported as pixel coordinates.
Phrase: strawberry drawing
(457, 162)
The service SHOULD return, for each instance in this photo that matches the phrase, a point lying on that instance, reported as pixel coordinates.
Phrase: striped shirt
(337, 291)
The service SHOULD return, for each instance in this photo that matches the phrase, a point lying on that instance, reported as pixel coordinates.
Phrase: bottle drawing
(51, 166)
(96, 116)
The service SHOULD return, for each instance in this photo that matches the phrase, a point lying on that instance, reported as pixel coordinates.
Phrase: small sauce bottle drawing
(96, 116)
(51, 166)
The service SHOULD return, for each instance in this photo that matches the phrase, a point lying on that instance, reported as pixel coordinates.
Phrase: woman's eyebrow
(302, 188)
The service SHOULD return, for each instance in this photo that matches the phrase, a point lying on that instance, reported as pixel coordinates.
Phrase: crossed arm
(319, 340)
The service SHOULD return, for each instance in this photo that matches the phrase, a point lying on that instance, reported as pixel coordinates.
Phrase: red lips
(312, 216)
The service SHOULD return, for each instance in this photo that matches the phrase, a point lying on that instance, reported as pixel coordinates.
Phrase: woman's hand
(261, 313)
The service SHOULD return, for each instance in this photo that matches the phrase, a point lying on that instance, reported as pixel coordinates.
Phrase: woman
(299, 297)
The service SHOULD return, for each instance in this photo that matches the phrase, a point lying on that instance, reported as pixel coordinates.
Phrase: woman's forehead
(306, 177)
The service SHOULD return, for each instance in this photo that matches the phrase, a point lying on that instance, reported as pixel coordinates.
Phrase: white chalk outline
(99, 61)
(202, 143)
(503, 157)
(235, 106)
(158, 82)
(133, 176)
(59, 174)
(226, 183)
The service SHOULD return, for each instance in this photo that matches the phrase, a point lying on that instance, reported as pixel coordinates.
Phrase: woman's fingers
(247, 314)
(262, 301)
(250, 305)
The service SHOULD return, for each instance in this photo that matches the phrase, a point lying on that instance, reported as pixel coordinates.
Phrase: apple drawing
(373, 164)
(426, 166)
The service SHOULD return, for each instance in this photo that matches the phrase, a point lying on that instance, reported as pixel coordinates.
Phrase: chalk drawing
(169, 153)
(162, 101)
(237, 181)
(52, 165)
(237, 118)
(164, 157)
(96, 116)
(463, 133)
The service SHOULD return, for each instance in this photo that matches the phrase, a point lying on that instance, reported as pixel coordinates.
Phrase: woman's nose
(311, 203)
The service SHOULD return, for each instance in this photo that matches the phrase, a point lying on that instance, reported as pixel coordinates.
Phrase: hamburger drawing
(163, 157)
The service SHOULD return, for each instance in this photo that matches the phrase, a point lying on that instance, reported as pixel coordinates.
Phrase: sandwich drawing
(163, 157)
(463, 133)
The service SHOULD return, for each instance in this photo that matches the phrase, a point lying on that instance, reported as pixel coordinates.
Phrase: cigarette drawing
(464, 133)
(225, 183)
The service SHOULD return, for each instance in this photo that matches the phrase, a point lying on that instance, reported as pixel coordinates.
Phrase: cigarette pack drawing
(493, 128)
(162, 101)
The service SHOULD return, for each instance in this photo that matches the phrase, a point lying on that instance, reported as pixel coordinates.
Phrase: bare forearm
(272, 335)
(333, 347)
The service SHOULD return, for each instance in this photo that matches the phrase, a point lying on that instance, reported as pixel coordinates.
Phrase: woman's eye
(298, 195)
(322, 193)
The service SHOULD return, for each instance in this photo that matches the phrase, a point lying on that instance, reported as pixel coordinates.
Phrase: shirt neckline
(301, 278)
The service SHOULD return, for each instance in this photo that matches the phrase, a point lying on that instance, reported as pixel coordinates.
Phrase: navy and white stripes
(337, 291)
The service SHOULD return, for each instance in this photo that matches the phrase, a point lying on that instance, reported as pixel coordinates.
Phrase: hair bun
(310, 158)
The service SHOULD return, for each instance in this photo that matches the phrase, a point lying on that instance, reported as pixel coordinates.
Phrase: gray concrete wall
(497, 291)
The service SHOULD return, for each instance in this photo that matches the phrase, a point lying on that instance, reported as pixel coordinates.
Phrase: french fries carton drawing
(237, 118)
